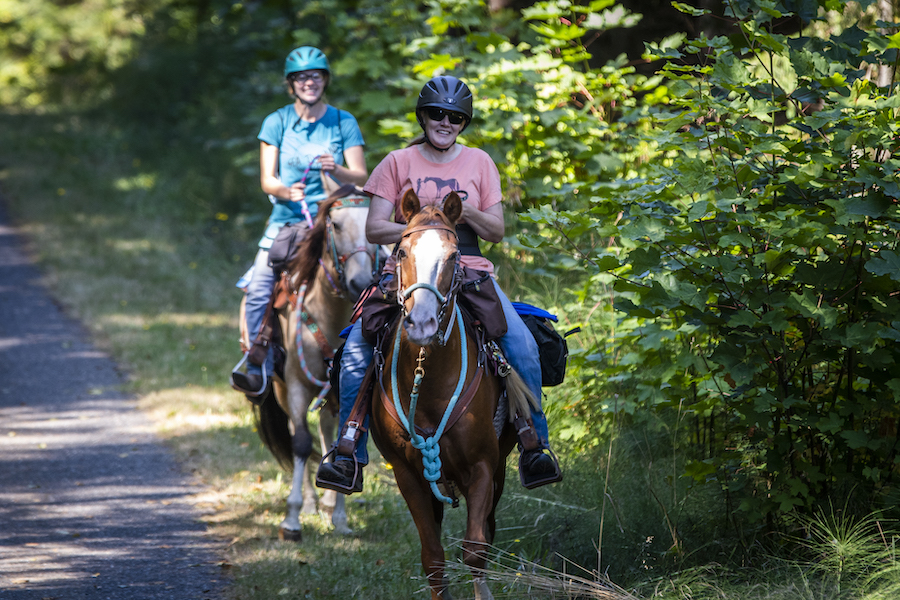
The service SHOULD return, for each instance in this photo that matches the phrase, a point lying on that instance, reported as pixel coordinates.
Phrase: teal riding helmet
(306, 58)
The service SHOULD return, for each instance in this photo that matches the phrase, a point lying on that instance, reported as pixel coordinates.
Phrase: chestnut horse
(434, 422)
(334, 265)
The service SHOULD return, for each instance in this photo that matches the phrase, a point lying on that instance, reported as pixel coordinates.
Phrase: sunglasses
(438, 114)
(302, 76)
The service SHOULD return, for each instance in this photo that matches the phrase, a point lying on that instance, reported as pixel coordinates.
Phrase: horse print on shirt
(437, 189)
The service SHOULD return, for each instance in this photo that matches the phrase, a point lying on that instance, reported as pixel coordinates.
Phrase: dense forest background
(709, 192)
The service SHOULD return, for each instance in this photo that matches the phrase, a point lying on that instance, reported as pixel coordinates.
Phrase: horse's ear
(409, 206)
(453, 207)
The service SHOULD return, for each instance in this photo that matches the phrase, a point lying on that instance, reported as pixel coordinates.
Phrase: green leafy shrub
(755, 262)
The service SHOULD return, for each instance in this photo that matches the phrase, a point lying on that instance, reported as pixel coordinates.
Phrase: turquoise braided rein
(430, 447)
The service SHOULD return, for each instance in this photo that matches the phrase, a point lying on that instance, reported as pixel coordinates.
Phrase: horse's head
(337, 245)
(427, 258)
(354, 259)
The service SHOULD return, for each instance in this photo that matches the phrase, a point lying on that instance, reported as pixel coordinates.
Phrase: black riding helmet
(447, 92)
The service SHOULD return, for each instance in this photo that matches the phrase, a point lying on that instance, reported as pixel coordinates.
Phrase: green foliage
(755, 262)
(58, 50)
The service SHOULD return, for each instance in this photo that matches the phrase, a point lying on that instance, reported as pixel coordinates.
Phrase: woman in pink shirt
(434, 165)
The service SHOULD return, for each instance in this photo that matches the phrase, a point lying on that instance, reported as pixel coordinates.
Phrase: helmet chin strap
(438, 148)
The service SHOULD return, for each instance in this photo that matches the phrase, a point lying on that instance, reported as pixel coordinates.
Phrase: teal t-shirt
(300, 143)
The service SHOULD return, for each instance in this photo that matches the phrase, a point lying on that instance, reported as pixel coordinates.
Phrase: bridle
(447, 302)
(339, 261)
(340, 287)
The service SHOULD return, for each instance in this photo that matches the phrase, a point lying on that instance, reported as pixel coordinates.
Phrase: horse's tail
(272, 424)
(521, 398)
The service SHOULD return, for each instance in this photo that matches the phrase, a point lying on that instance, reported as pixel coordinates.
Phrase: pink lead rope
(303, 205)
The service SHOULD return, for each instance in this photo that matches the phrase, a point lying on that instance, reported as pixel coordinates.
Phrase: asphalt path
(92, 505)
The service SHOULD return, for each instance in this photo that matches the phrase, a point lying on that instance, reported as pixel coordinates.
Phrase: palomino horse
(434, 422)
(334, 265)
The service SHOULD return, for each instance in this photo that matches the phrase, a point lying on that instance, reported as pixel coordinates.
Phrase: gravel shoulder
(92, 504)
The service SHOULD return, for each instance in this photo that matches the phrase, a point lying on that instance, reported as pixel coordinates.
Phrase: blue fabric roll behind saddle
(523, 309)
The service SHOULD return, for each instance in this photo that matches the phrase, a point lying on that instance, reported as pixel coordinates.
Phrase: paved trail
(92, 506)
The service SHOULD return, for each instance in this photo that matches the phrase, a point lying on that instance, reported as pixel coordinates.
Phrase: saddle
(379, 312)
(270, 333)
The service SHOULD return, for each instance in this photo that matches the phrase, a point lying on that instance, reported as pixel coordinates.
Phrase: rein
(303, 205)
(429, 447)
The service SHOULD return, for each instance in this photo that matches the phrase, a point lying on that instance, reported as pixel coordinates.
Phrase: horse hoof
(342, 529)
(290, 535)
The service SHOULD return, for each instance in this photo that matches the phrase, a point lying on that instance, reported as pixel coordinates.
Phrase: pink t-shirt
(472, 175)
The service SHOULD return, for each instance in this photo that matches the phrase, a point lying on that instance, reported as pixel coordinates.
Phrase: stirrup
(255, 396)
(551, 477)
(330, 485)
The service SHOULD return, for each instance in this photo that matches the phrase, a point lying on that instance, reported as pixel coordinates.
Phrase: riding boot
(251, 385)
(255, 385)
(536, 467)
(345, 473)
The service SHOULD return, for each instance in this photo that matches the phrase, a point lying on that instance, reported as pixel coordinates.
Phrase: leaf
(644, 259)
(856, 439)
(690, 10)
(437, 62)
(861, 336)
(608, 263)
(700, 470)
(699, 210)
(886, 262)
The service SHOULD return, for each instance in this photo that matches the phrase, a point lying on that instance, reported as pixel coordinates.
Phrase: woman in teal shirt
(300, 145)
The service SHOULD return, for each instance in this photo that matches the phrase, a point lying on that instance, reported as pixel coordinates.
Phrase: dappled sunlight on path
(92, 505)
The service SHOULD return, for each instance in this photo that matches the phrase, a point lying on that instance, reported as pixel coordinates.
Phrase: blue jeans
(259, 290)
(518, 345)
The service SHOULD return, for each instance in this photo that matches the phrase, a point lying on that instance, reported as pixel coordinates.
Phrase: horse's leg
(427, 513)
(332, 503)
(480, 504)
(301, 496)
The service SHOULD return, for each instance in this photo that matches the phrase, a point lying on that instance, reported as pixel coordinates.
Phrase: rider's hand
(298, 192)
(327, 162)
(469, 212)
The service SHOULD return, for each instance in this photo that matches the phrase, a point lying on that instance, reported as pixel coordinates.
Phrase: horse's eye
(401, 254)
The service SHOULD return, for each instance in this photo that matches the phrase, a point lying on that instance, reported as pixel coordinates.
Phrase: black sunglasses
(438, 114)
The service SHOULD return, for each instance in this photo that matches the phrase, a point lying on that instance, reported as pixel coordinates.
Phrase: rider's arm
(355, 172)
(268, 172)
(488, 224)
(380, 228)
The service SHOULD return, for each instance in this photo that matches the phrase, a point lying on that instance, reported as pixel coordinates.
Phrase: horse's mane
(306, 262)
